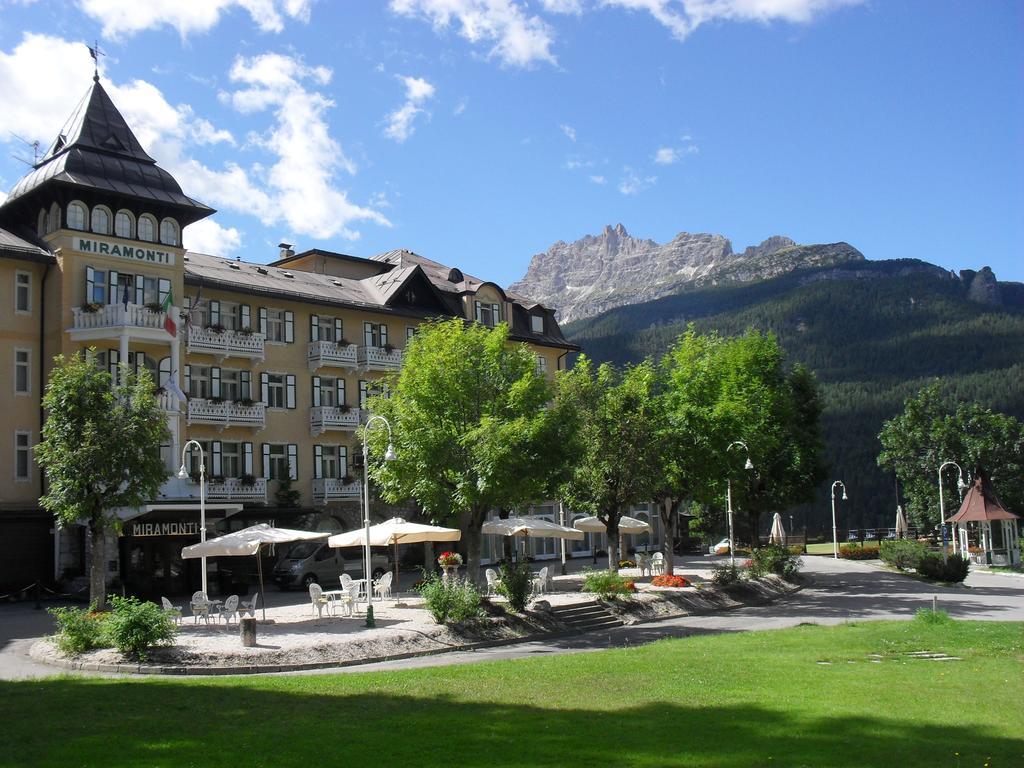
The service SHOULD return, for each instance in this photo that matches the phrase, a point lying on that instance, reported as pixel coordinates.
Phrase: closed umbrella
(394, 532)
(778, 534)
(248, 542)
(901, 523)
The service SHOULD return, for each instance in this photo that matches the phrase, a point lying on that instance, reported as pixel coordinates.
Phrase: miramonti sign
(124, 251)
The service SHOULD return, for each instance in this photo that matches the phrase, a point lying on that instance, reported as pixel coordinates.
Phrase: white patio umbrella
(901, 523)
(778, 534)
(536, 527)
(394, 532)
(248, 542)
(627, 525)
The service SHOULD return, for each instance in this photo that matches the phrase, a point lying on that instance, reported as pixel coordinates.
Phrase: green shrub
(902, 553)
(607, 584)
(775, 559)
(136, 626)
(725, 574)
(928, 616)
(857, 552)
(953, 570)
(80, 629)
(450, 601)
(516, 584)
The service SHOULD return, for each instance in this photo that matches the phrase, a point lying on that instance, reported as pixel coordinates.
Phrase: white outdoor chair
(174, 611)
(382, 586)
(200, 605)
(351, 597)
(249, 606)
(657, 564)
(229, 610)
(492, 581)
(317, 599)
(540, 581)
(643, 563)
(346, 581)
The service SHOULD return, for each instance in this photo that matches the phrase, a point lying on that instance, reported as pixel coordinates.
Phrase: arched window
(77, 214)
(169, 232)
(53, 221)
(124, 224)
(147, 228)
(101, 220)
(41, 222)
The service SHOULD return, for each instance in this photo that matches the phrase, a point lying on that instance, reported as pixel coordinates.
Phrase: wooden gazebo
(996, 527)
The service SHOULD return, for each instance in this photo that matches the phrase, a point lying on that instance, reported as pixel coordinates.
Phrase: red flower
(669, 581)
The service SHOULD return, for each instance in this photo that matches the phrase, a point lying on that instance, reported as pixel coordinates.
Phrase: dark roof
(96, 149)
(981, 503)
(330, 255)
(14, 247)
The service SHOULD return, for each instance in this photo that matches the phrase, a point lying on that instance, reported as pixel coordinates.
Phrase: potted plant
(449, 562)
(91, 307)
(155, 306)
(247, 480)
(245, 331)
(388, 347)
(215, 328)
(217, 400)
(344, 408)
(343, 342)
(245, 401)
(347, 480)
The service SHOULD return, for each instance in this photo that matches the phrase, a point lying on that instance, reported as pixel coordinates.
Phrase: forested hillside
(873, 334)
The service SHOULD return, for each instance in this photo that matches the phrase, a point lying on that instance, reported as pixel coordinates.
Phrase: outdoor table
(337, 595)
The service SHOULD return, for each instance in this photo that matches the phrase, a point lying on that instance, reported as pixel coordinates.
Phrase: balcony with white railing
(225, 343)
(96, 321)
(324, 417)
(379, 359)
(253, 489)
(327, 353)
(167, 402)
(226, 413)
(327, 489)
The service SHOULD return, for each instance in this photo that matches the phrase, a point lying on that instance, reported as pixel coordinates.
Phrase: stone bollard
(247, 631)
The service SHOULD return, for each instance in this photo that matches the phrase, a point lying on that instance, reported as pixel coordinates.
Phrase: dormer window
(537, 323)
(100, 220)
(124, 224)
(77, 214)
(169, 232)
(488, 314)
(147, 228)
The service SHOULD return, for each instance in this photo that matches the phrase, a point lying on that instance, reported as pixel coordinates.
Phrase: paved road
(837, 591)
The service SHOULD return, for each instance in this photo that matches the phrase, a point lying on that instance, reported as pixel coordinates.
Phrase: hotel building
(277, 359)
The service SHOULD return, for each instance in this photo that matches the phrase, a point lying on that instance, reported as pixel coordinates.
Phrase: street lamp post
(183, 474)
(389, 455)
(942, 504)
(728, 498)
(835, 538)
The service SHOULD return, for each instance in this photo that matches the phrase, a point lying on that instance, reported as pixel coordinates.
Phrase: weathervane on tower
(95, 52)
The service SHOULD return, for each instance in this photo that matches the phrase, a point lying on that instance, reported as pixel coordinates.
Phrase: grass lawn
(744, 699)
(826, 548)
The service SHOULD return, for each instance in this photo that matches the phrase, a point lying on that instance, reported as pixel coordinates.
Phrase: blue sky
(478, 132)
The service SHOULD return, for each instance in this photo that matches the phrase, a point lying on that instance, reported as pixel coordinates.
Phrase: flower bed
(853, 552)
(666, 580)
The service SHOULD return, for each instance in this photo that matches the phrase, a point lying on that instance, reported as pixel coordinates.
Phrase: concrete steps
(586, 617)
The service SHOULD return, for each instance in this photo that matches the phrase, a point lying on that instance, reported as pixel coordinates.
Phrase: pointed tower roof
(981, 503)
(97, 150)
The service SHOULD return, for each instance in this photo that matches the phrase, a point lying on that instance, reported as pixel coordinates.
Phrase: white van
(313, 562)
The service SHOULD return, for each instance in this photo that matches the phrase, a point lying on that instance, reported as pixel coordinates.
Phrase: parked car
(721, 548)
(313, 562)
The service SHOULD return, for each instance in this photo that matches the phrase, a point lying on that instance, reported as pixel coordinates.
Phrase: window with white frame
(279, 461)
(22, 292)
(169, 232)
(328, 391)
(276, 390)
(77, 214)
(275, 324)
(200, 381)
(375, 334)
(22, 456)
(488, 314)
(101, 220)
(329, 466)
(96, 286)
(542, 364)
(323, 328)
(147, 228)
(537, 323)
(192, 459)
(124, 224)
(231, 459)
(22, 371)
(231, 384)
(410, 331)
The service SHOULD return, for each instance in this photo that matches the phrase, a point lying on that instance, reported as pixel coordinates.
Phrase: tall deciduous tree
(930, 431)
(616, 465)
(473, 425)
(100, 450)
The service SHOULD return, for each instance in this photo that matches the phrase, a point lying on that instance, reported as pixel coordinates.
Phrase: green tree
(930, 432)
(472, 428)
(615, 466)
(100, 450)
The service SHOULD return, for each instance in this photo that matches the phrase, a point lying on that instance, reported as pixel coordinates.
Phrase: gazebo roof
(981, 504)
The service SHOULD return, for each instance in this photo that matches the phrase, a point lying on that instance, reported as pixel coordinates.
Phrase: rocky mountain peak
(984, 288)
(599, 272)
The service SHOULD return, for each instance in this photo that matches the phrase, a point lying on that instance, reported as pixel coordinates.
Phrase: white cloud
(124, 18)
(44, 77)
(599, 179)
(207, 236)
(516, 38)
(632, 183)
(574, 163)
(682, 17)
(666, 156)
(399, 124)
(569, 7)
(569, 131)
(460, 107)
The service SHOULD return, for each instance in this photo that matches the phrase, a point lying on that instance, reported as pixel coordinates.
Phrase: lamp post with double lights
(389, 455)
(962, 486)
(835, 538)
(183, 475)
(728, 498)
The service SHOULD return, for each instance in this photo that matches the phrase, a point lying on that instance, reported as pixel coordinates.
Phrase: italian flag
(169, 325)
